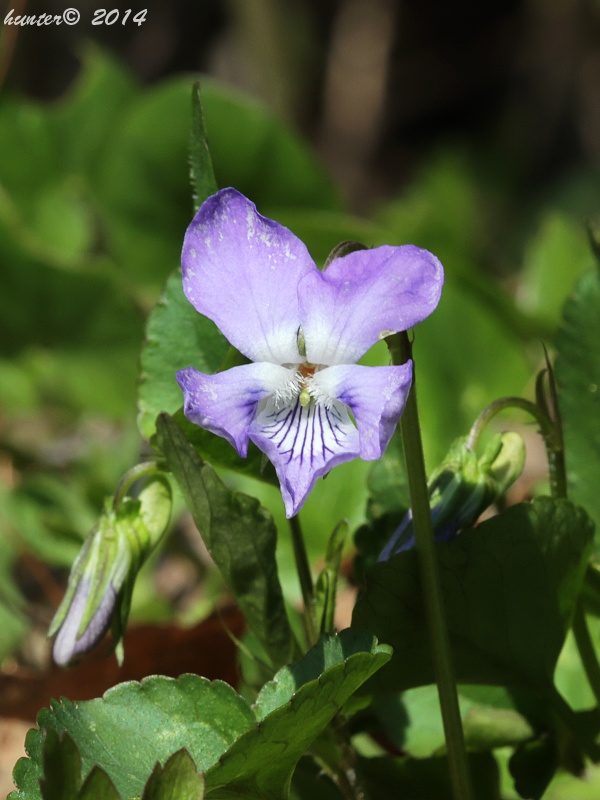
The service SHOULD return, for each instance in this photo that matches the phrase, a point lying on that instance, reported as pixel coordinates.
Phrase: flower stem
(305, 579)
(400, 349)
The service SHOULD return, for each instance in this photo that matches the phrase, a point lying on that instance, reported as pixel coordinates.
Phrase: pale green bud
(103, 574)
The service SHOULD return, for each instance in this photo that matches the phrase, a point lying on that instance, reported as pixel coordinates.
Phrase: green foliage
(239, 534)
(244, 752)
(120, 731)
(201, 168)
(291, 712)
(578, 379)
(570, 787)
(509, 590)
(177, 780)
(491, 718)
(92, 217)
(554, 259)
(428, 778)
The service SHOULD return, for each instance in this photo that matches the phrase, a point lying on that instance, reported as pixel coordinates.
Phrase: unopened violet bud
(103, 575)
(462, 487)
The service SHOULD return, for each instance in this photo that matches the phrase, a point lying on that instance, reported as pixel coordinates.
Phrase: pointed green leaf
(98, 786)
(240, 535)
(292, 710)
(509, 589)
(201, 169)
(578, 381)
(62, 767)
(177, 780)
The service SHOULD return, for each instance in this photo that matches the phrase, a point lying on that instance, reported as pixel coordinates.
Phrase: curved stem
(132, 475)
(400, 349)
(497, 406)
(549, 430)
(305, 579)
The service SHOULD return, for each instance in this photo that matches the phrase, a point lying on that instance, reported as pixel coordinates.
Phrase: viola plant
(453, 679)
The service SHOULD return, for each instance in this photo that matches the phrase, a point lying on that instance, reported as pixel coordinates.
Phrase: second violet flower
(304, 402)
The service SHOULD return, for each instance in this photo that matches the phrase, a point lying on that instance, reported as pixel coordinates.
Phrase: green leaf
(292, 710)
(25, 128)
(490, 719)
(98, 786)
(177, 780)
(177, 336)
(243, 753)
(201, 169)
(554, 259)
(578, 380)
(569, 787)
(62, 767)
(28, 770)
(220, 453)
(509, 589)
(86, 118)
(426, 779)
(137, 724)
(239, 534)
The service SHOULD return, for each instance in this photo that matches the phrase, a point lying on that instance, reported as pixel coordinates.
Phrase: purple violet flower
(304, 402)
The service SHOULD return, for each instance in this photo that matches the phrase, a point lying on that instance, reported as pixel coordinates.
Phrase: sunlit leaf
(292, 710)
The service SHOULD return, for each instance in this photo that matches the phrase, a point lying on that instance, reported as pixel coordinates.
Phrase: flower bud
(103, 574)
(462, 487)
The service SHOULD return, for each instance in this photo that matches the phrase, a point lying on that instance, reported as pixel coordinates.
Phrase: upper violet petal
(303, 443)
(364, 296)
(375, 395)
(225, 403)
(242, 270)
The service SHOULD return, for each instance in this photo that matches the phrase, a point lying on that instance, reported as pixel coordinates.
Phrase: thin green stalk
(132, 475)
(400, 349)
(305, 579)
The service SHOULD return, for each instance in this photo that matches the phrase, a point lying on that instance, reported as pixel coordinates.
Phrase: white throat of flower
(302, 386)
